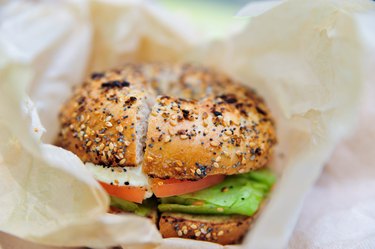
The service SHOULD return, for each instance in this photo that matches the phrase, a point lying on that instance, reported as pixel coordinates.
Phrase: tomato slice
(171, 187)
(129, 193)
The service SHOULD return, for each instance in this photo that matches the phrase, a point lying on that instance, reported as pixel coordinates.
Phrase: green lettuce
(238, 194)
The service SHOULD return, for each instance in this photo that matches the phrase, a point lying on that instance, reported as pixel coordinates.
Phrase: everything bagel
(181, 124)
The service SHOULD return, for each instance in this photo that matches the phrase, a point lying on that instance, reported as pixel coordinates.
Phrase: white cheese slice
(121, 176)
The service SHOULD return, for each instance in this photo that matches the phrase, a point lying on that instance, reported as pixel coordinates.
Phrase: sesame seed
(198, 203)
(173, 117)
(218, 159)
(101, 146)
(179, 163)
(216, 165)
(183, 137)
(122, 162)
(252, 157)
(228, 132)
(197, 233)
(167, 138)
(89, 131)
(193, 226)
(149, 158)
(208, 235)
(119, 128)
(225, 138)
(170, 131)
(154, 113)
(198, 171)
(88, 143)
(205, 124)
(220, 233)
(108, 118)
(162, 108)
(111, 146)
(127, 143)
(224, 189)
(179, 233)
(214, 143)
(109, 124)
(173, 122)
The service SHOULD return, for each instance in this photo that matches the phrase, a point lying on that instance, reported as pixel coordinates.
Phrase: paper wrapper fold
(303, 56)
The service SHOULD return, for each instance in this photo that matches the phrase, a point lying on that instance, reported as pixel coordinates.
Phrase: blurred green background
(215, 17)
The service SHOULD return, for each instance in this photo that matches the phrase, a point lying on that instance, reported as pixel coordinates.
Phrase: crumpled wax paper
(303, 56)
(344, 215)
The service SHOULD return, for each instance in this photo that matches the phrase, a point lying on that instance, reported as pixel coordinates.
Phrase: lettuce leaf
(238, 194)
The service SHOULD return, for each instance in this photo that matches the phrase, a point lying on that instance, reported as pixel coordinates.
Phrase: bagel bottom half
(222, 229)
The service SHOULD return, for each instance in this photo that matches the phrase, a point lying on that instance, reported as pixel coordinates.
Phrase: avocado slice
(237, 194)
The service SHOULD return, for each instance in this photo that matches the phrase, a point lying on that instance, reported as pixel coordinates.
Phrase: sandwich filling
(238, 194)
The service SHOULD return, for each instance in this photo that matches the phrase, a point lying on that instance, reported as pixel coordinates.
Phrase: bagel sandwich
(180, 140)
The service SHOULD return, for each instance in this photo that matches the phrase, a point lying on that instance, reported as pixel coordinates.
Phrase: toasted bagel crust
(227, 129)
(204, 124)
(193, 139)
(98, 122)
(224, 230)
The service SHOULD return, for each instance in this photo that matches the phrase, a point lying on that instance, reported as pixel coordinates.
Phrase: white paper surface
(339, 212)
(302, 56)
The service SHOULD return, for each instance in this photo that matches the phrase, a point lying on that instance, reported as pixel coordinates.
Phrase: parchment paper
(303, 56)
(344, 215)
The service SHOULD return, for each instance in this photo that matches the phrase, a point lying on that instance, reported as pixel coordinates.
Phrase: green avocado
(238, 194)
(143, 209)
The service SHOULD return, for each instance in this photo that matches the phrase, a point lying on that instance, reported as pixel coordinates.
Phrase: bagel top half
(179, 121)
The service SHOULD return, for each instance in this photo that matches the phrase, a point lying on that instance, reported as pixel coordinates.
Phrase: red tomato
(171, 187)
(129, 193)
